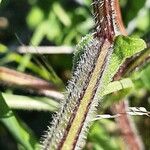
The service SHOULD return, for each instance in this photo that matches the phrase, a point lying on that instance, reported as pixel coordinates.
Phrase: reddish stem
(127, 127)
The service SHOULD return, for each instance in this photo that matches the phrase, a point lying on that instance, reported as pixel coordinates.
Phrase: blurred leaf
(39, 33)
(100, 137)
(85, 26)
(35, 17)
(3, 48)
(133, 8)
(69, 37)
(39, 69)
(30, 103)
(53, 30)
(143, 19)
(19, 131)
(61, 14)
(24, 62)
(145, 77)
(87, 2)
(14, 57)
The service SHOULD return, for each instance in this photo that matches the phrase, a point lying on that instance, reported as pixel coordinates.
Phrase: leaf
(53, 27)
(35, 17)
(39, 33)
(61, 14)
(20, 132)
(126, 46)
(143, 20)
(115, 86)
(14, 57)
(145, 77)
(24, 62)
(99, 135)
(30, 103)
(3, 48)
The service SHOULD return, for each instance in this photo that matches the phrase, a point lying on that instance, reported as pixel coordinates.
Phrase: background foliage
(56, 23)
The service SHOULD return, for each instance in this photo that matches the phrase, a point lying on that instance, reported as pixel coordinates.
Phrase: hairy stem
(71, 122)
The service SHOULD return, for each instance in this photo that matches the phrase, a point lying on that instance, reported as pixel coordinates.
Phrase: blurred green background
(57, 23)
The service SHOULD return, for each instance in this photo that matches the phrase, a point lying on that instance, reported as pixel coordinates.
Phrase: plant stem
(30, 83)
(70, 124)
(127, 127)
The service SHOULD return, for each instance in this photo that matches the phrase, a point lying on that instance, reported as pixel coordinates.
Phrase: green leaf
(115, 86)
(126, 46)
(20, 132)
(35, 17)
(24, 62)
(61, 14)
(30, 103)
(145, 77)
(100, 137)
(53, 27)
(3, 48)
(143, 20)
(39, 33)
